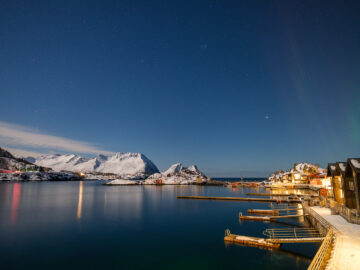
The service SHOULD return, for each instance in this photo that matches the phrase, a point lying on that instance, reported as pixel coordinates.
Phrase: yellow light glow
(79, 210)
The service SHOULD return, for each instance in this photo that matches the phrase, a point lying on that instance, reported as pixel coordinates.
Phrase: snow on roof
(355, 162)
(342, 167)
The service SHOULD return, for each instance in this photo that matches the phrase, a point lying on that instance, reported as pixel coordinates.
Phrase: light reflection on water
(79, 209)
(15, 202)
(91, 226)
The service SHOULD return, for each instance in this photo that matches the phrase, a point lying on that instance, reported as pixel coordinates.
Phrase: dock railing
(322, 256)
(351, 215)
(318, 217)
(292, 233)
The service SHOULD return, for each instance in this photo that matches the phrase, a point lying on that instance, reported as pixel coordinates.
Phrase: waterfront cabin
(8, 171)
(299, 178)
(199, 180)
(337, 183)
(352, 183)
(286, 178)
(158, 181)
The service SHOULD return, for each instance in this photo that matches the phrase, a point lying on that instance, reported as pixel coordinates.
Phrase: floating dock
(266, 194)
(293, 235)
(263, 212)
(249, 240)
(276, 237)
(266, 218)
(249, 184)
(239, 199)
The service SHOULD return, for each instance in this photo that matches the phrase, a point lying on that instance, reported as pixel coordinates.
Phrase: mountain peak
(118, 163)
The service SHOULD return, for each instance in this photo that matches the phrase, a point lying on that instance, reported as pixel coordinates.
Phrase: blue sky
(240, 88)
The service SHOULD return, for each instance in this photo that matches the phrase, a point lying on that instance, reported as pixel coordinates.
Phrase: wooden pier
(263, 212)
(296, 240)
(239, 199)
(266, 218)
(266, 194)
(293, 235)
(276, 237)
(249, 240)
(272, 212)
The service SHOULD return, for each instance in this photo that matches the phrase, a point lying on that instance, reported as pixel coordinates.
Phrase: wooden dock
(293, 235)
(276, 237)
(296, 240)
(238, 199)
(266, 194)
(249, 240)
(263, 212)
(266, 218)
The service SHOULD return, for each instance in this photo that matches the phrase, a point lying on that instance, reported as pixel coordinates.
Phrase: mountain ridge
(118, 163)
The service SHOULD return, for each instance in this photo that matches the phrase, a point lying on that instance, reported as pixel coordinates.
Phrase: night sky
(240, 88)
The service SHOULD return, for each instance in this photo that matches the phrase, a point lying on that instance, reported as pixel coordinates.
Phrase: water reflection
(15, 203)
(123, 203)
(47, 217)
(79, 209)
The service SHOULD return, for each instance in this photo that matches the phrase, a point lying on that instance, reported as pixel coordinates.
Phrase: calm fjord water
(85, 225)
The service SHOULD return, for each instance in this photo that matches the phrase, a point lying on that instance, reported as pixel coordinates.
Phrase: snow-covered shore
(117, 169)
(18, 169)
(39, 176)
(124, 182)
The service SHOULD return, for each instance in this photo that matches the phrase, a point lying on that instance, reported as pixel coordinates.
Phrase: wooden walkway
(248, 240)
(345, 254)
(293, 235)
(238, 199)
(266, 194)
(272, 212)
(296, 240)
(266, 218)
(263, 212)
(303, 236)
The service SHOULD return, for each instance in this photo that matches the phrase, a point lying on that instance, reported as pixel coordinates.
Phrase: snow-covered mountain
(18, 169)
(178, 174)
(178, 167)
(10, 162)
(119, 163)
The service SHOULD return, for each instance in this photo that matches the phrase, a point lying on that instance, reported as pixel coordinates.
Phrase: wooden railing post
(320, 260)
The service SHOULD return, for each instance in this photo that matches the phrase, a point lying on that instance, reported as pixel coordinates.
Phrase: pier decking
(266, 218)
(249, 240)
(263, 212)
(293, 235)
(239, 199)
(267, 194)
(276, 237)
(346, 250)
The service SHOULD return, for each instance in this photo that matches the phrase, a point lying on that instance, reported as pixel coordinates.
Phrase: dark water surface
(85, 225)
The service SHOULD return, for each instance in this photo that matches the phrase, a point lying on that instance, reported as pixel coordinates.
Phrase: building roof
(332, 170)
(355, 164)
(341, 166)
